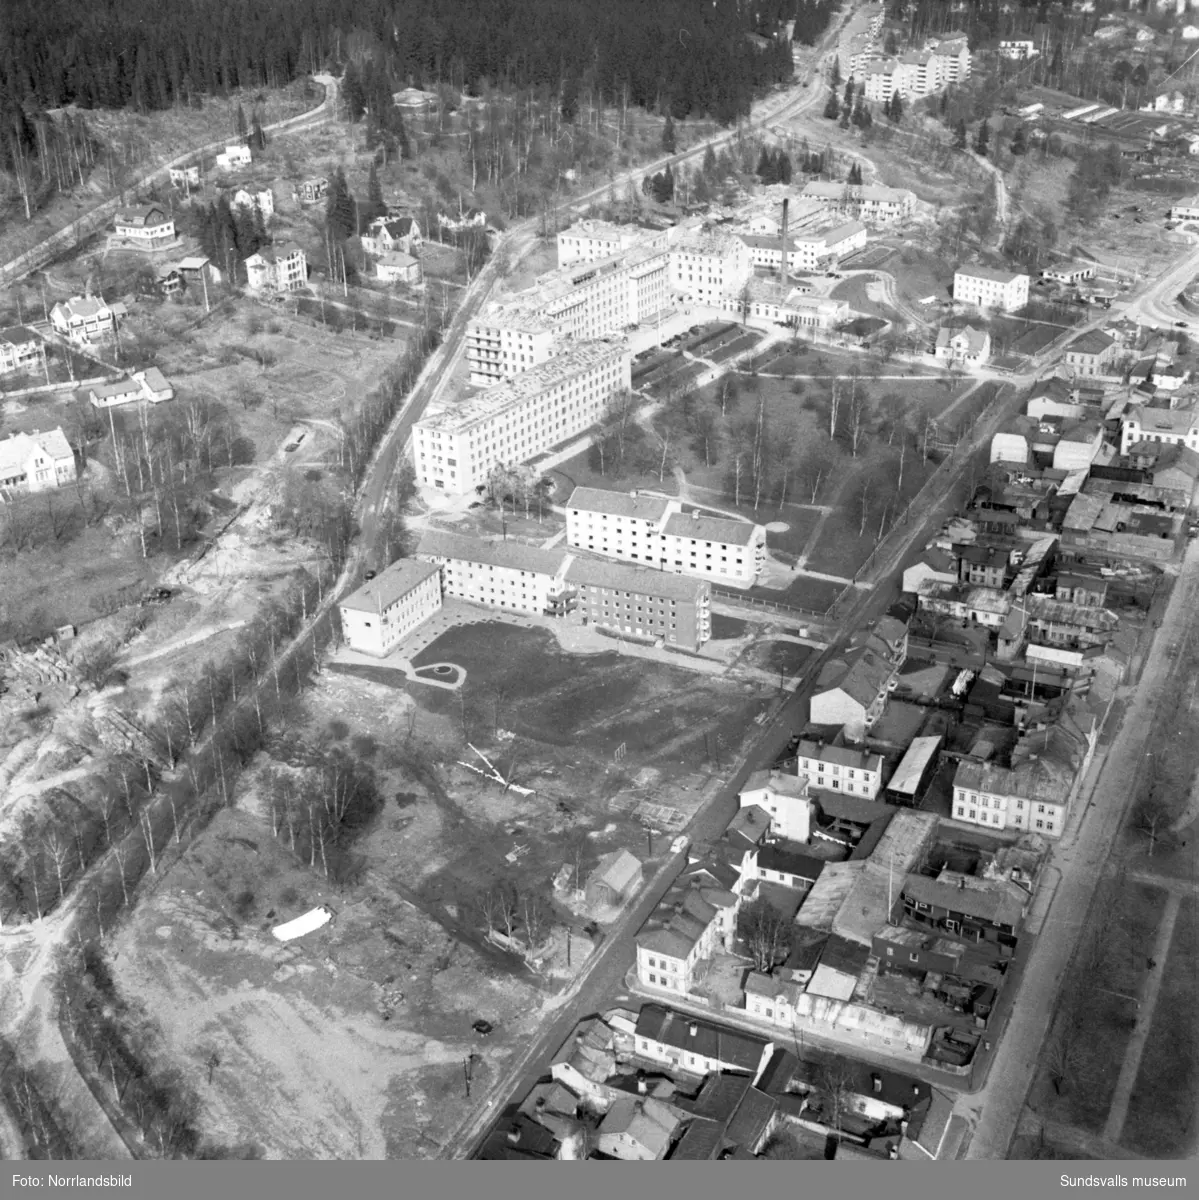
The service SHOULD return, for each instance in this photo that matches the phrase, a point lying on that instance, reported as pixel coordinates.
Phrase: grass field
(1165, 1099)
(1106, 1015)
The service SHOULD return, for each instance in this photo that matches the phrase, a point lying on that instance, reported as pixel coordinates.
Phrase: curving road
(69, 235)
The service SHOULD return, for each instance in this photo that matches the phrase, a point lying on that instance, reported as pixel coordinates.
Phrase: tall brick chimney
(783, 262)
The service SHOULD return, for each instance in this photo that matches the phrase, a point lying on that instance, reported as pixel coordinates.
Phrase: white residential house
(35, 462)
(852, 691)
(1017, 49)
(85, 319)
(233, 157)
(966, 346)
(1170, 426)
(310, 191)
(146, 227)
(840, 768)
(384, 611)
(657, 533)
(1035, 793)
(281, 268)
(390, 234)
(21, 350)
(156, 388)
(113, 395)
(785, 798)
(471, 218)
(687, 927)
(263, 200)
(986, 287)
(185, 176)
(1185, 210)
(394, 266)
(1092, 353)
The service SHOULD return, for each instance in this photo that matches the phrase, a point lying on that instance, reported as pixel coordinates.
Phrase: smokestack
(783, 262)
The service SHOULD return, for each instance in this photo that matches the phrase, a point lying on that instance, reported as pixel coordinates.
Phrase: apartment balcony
(560, 604)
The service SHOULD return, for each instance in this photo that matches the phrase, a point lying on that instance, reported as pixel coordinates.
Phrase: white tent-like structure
(308, 923)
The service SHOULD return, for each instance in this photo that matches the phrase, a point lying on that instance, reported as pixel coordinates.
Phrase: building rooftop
(710, 529)
(389, 586)
(582, 357)
(634, 504)
(18, 335)
(740, 1051)
(990, 273)
(999, 901)
(591, 572)
(790, 859)
(844, 756)
(514, 555)
(1094, 341)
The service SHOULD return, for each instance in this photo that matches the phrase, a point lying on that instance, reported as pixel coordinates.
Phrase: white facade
(277, 268)
(233, 157)
(873, 204)
(35, 462)
(263, 200)
(1172, 427)
(708, 266)
(455, 450)
(660, 535)
(785, 798)
(589, 241)
(83, 319)
(21, 350)
(840, 769)
(1017, 49)
(381, 613)
(146, 228)
(987, 288)
(185, 176)
(583, 300)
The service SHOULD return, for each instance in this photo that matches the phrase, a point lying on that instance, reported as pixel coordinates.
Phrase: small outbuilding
(616, 877)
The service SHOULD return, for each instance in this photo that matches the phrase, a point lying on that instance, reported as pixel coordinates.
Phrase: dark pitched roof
(703, 1140)
(751, 1120)
(859, 811)
(721, 1094)
(996, 903)
(807, 945)
(781, 857)
(843, 955)
(729, 1046)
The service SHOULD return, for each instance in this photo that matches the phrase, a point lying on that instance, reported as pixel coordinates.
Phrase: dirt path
(1078, 1142)
(1118, 1112)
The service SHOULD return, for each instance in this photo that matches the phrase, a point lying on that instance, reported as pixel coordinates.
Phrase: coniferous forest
(690, 56)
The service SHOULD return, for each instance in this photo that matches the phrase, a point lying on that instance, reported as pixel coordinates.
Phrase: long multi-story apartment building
(587, 241)
(914, 74)
(656, 532)
(643, 603)
(868, 202)
(455, 449)
(632, 601)
(585, 299)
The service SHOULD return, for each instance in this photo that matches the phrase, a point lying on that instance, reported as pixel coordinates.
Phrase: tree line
(692, 55)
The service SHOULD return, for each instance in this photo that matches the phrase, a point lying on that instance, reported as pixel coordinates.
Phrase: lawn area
(816, 595)
(1165, 1098)
(731, 349)
(725, 628)
(856, 293)
(590, 702)
(1124, 919)
(578, 472)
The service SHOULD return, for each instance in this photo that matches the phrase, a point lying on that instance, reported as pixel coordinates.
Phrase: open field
(1165, 1098)
(1086, 1072)
(308, 1065)
(350, 1042)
